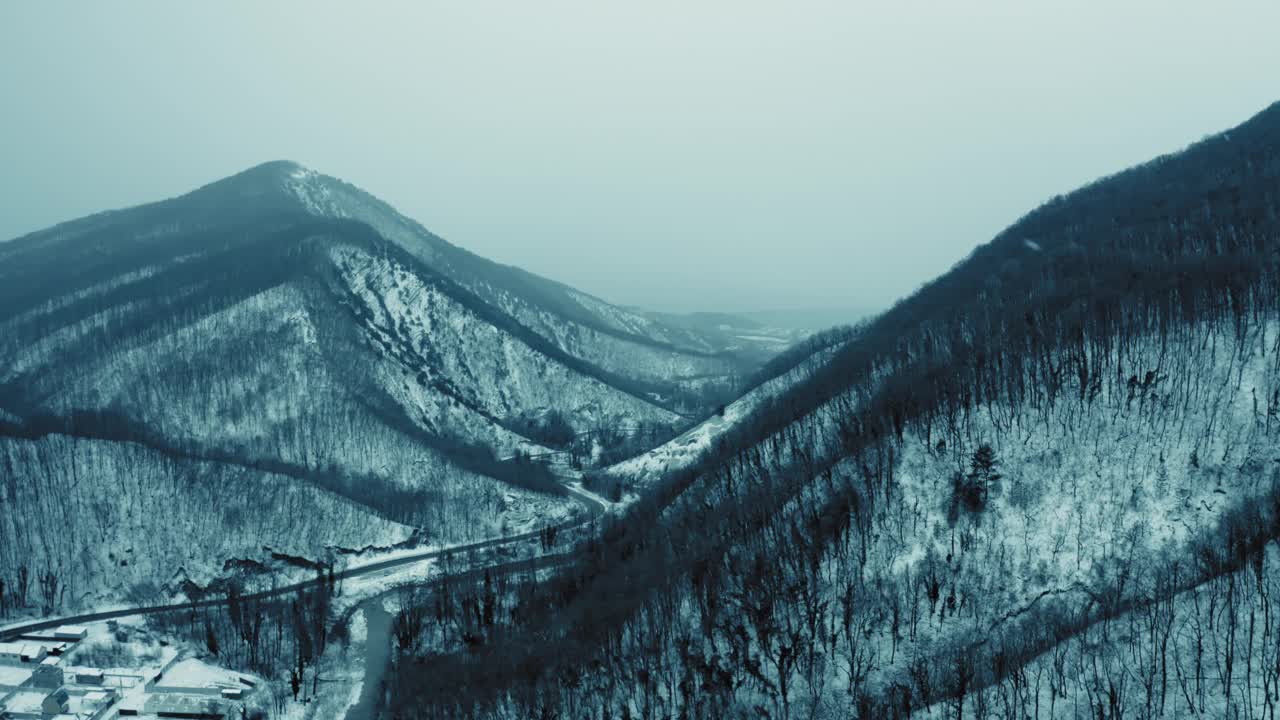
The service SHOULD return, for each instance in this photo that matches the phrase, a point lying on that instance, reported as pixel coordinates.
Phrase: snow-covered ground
(194, 673)
(1092, 496)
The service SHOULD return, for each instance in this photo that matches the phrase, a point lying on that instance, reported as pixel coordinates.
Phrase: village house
(90, 677)
(56, 703)
(48, 674)
(97, 699)
(17, 652)
(71, 632)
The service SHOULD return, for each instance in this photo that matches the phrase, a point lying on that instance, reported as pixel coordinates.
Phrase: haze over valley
(584, 362)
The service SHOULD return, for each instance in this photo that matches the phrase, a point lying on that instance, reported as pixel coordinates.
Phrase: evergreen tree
(971, 490)
(982, 468)
(1162, 478)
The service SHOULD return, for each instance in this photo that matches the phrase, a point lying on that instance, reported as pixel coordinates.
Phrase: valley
(1034, 488)
(276, 392)
(272, 449)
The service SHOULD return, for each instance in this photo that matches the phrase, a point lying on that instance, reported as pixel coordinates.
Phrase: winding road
(594, 507)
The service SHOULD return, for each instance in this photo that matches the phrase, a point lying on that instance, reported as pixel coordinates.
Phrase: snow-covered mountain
(283, 328)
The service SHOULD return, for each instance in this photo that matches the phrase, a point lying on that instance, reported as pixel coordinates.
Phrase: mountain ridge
(285, 329)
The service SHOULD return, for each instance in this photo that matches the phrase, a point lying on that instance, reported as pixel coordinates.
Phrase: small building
(90, 677)
(21, 652)
(11, 651)
(71, 632)
(33, 653)
(232, 693)
(97, 699)
(56, 702)
(48, 674)
(55, 648)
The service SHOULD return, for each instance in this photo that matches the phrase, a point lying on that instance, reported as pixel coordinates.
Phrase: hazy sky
(686, 155)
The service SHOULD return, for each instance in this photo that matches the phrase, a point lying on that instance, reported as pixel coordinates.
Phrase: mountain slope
(282, 326)
(1077, 422)
(272, 191)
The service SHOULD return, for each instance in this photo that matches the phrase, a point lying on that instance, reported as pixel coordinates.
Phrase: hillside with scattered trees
(281, 333)
(1044, 485)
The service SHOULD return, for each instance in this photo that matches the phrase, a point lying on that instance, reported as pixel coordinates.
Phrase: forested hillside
(1041, 486)
(282, 332)
(633, 476)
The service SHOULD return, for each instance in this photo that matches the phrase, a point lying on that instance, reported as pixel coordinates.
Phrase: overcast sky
(686, 155)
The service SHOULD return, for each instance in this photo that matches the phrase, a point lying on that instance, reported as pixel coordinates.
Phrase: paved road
(377, 654)
(378, 629)
(594, 507)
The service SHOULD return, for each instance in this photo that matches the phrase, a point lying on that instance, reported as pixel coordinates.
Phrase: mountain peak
(276, 167)
(271, 182)
(278, 170)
